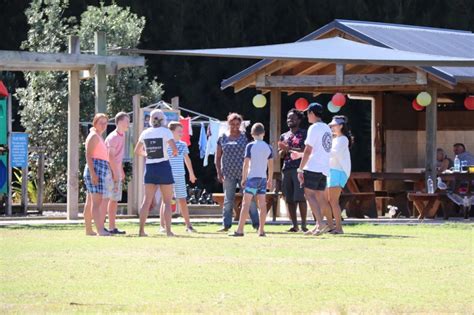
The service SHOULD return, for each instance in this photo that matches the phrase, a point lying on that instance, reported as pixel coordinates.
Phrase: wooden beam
(339, 74)
(312, 69)
(100, 76)
(35, 61)
(275, 125)
(431, 129)
(396, 79)
(73, 135)
(247, 81)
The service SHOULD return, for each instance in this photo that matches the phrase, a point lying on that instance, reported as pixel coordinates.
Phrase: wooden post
(175, 102)
(135, 202)
(377, 127)
(40, 180)
(9, 165)
(275, 125)
(100, 75)
(24, 190)
(73, 135)
(431, 129)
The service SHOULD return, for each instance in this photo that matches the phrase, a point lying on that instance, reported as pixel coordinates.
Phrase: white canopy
(330, 50)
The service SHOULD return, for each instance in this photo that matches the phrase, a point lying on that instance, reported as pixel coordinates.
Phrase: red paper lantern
(338, 99)
(3, 89)
(301, 104)
(416, 106)
(469, 103)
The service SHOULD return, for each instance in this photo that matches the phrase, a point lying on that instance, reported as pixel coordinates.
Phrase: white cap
(337, 121)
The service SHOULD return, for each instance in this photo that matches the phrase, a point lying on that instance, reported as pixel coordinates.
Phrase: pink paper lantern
(338, 99)
(416, 106)
(301, 104)
(469, 102)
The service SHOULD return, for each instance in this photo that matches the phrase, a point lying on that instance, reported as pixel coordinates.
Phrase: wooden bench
(427, 205)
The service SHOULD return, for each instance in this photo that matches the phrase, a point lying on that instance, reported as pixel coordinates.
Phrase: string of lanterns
(424, 99)
(338, 100)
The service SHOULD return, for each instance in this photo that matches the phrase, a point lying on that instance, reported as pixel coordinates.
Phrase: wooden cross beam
(388, 79)
(36, 61)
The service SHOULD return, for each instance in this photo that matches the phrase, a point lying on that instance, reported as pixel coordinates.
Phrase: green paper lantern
(259, 101)
(423, 99)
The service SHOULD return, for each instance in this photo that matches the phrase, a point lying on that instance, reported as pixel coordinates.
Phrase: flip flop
(236, 234)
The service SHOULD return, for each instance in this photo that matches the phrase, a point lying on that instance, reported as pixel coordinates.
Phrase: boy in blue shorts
(258, 159)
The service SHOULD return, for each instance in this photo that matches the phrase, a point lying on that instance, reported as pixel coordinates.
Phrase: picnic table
(427, 205)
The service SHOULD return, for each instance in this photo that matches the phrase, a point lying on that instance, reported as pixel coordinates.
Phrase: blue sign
(19, 149)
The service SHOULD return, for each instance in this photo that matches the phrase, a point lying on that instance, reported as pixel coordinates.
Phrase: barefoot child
(177, 167)
(258, 158)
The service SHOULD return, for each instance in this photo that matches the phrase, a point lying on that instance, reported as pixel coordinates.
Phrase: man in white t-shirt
(314, 168)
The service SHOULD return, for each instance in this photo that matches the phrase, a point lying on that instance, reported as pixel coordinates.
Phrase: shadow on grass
(365, 235)
(50, 227)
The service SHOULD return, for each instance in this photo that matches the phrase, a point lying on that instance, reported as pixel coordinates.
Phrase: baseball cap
(315, 108)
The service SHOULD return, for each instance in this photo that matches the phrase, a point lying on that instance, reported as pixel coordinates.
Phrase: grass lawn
(370, 269)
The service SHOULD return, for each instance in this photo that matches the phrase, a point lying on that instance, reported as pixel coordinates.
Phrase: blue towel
(202, 141)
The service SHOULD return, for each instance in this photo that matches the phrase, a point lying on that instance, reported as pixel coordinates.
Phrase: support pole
(24, 190)
(100, 75)
(135, 202)
(40, 180)
(73, 136)
(9, 164)
(431, 129)
(275, 125)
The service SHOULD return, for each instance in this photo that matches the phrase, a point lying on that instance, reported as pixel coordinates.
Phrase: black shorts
(314, 180)
(290, 186)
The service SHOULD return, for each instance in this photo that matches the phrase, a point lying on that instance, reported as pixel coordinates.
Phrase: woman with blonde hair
(97, 177)
(153, 145)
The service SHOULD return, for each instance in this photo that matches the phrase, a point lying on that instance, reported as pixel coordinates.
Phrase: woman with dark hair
(229, 161)
(340, 166)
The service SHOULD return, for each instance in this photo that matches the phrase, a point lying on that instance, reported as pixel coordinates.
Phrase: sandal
(262, 234)
(318, 232)
(236, 234)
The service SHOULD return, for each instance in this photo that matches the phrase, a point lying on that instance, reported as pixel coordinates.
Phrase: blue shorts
(104, 185)
(256, 186)
(158, 173)
(179, 186)
(337, 178)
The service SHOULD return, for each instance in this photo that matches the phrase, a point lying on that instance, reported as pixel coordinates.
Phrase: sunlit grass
(370, 269)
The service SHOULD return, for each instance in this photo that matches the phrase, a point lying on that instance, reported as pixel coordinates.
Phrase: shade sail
(330, 50)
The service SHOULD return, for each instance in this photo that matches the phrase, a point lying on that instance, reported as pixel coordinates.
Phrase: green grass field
(370, 269)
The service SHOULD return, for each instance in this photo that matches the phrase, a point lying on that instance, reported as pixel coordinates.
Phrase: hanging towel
(211, 145)
(202, 142)
(186, 122)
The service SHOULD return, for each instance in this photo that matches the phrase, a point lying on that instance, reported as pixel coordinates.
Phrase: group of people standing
(316, 166)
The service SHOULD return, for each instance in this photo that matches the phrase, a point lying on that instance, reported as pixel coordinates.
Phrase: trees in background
(44, 99)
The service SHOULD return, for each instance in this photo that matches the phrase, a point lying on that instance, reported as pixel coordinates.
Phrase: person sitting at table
(460, 150)
(442, 161)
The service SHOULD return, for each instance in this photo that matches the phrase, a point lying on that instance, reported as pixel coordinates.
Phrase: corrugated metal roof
(436, 41)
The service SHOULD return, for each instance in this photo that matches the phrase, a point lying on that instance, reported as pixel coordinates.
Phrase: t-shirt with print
(232, 155)
(155, 141)
(177, 162)
(259, 152)
(320, 139)
(293, 141)
(116, 141)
